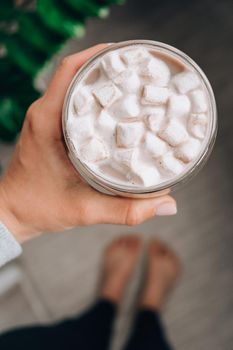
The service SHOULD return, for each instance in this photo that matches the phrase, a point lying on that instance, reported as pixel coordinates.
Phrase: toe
(130, 241)
(117, 243)
(136, 246)
(157, 247)
(175, 261)
(172, 255)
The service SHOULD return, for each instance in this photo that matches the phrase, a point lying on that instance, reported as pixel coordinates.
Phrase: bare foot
(163, 270)
(119, 261)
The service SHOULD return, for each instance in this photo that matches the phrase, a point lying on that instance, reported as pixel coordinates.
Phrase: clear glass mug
(105, 186)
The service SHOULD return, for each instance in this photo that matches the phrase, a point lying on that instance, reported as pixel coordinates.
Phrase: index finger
(62, 78)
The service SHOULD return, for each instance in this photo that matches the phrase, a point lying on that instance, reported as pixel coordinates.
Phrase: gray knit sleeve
(9, 247)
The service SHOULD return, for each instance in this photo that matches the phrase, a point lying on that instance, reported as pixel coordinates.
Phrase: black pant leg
(147, 333)
(32, 337)
(92, 330)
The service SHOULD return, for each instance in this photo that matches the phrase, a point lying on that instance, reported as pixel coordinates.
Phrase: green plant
(31, 32)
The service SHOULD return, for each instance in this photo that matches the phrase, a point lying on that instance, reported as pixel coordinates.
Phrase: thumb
(127, 211)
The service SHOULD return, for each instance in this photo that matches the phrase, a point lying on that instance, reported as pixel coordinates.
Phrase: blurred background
(58, 275)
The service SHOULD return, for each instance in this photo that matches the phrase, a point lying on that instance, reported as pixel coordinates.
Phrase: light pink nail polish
(168, 208)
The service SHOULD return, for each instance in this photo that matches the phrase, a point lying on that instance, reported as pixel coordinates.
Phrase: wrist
(10, 217)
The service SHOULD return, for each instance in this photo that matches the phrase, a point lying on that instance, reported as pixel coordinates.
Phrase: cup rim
(89, 175)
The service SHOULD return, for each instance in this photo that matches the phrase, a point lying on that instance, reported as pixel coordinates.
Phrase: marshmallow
(82, 102)
(154, 145)
(80, 129)
(178, 106)
(128, 81)
(188, 151)
(154, 95)
(107, 94)
(94, 151)
(174, 133)
(130, 103)
(169, 164)
(123, 159)
(134, 56)
(112, 64)
(129, 134)
(155, 118)
(186, 81)
(143, 175)
(128, 107)
(106, 122)
(155, 70)
(199, 101)
(197, 125)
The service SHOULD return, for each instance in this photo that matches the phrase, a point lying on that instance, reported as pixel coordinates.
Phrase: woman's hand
(41, 191)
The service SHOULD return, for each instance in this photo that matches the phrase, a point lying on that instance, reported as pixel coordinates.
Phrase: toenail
(168, 208)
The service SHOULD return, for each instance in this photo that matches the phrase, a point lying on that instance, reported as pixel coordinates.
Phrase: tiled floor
(63, 269)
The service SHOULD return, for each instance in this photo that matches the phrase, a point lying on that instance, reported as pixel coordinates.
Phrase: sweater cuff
(9, 247)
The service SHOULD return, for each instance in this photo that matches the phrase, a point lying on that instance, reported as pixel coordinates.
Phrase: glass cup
(113, 188)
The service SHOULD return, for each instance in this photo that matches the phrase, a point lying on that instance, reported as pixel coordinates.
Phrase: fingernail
(110, 43)
(168, 208)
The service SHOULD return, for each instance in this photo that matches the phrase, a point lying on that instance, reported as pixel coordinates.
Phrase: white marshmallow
(143, 175)
(174, 133)
(186, 81)
(82, 101)
(178, 106)
(94, 150)
(169, 164)
(112, 64)
(106, 122)
(197, 125)
(129, 134)
(154, 95)
(123, 159)
(128, 107)
(107, 94)
(80, 129)
(155, 70)
(134, 56)
(199, 101)
(188, 151)
(128, 81)
(155, 118)
(154, 145)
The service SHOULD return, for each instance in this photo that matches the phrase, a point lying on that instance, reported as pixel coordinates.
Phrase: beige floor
(63, 269)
